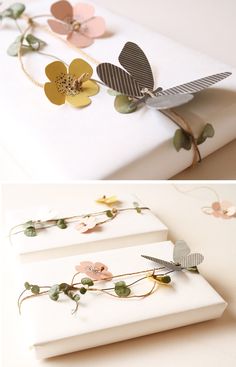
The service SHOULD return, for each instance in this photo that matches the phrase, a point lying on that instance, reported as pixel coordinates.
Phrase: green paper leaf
(27, 286)
(194, 269)
(87, 281)
(61, 224)
(208, 132)
(182, 140)
(165, 279)
(64, 287)
(76, 298)
(34, 42)
(113, 93)
(35, 289)
(14, 11)
(122, 290)
(30, 232)
(54, 292)
(83, 290)
(138, 209)
(109, 214)
(14, 48)
(123, 104)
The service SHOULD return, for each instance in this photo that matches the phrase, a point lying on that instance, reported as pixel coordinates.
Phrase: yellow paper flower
(108, 200)
(73, 85)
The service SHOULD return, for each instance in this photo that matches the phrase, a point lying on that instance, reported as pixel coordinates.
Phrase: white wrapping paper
(53, 142)
(50, 329)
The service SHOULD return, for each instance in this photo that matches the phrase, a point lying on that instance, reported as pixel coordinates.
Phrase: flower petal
(100, 266)
(59, 27)
(83, 12)
(79, 67)
(216, 206)
(53, 95)
(90, 88)
(106, 274)
(62, 10)
(54, 69)
(80, 100)
(79, 40)
(94, 28)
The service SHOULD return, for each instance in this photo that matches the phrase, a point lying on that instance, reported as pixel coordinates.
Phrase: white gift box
(129, 228)
(52, 142)
(51, 329)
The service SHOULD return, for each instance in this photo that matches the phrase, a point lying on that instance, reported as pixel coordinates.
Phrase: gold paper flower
(73, 85)
(108, 200)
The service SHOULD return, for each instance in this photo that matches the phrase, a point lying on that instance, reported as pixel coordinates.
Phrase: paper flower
(107, 200)
(73, 86)
(96, 271)
(225, 210)
(78, 23)
(86, 225)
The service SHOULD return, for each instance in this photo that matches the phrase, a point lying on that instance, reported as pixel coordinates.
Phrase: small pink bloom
(225, 210)
(96, 271)
(79, 23)
(87, 224)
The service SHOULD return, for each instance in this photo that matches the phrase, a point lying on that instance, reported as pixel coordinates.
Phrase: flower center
(76, 26)
(68, 84)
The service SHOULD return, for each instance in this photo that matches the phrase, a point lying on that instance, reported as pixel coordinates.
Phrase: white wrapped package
(129, 228)
(96, 142)
(50, 329)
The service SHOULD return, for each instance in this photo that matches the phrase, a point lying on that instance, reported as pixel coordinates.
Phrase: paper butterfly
(138, 81)
(182, 257)
(78, 23)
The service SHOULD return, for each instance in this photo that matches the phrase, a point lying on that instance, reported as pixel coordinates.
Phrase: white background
(207, 344)
(206, 25)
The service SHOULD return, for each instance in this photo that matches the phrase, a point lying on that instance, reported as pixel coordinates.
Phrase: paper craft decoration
(99, 277)
(182, 257)
(84, 223)
(101, 318)
(78, 23)
(137, 81)
(73, 85)
(224, 210)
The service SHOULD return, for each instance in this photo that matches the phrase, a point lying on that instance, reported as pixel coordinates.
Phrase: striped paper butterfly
(137, 81)
(183, 259)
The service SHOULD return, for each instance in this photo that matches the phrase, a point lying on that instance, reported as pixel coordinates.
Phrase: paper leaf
(182, 140)
(208, 132)
(35, 42)
(113, 93)
(181, 249)
(14, 11)
(133, 59)
(14, 48)
(124, 105)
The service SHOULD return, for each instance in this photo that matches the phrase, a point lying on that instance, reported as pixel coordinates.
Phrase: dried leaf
(182, 140)
(123, 104)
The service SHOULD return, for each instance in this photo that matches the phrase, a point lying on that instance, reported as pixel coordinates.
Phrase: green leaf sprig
(74, 291)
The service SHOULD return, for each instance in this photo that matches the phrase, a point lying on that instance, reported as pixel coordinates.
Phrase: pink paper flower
(78, 23)
(225, 210)
(87, 224)
(96, 271)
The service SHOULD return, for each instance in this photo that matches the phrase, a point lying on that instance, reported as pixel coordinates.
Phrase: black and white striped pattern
(191, 260)
(197, 85)
(119, 80)
(133, 59)
(164, 263)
